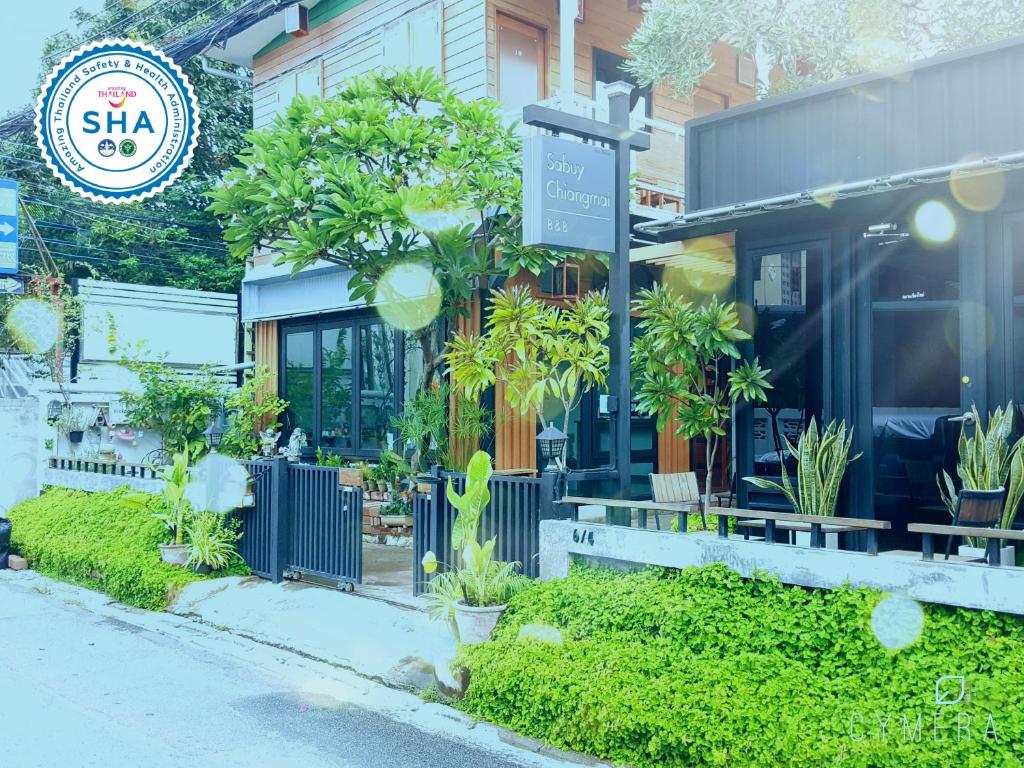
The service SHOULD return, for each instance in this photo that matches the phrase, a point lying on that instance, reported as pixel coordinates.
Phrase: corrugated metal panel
(271, 292)
(934, 113)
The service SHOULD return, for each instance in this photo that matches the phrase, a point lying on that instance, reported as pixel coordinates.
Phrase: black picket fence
(518, 504)
(303, 523)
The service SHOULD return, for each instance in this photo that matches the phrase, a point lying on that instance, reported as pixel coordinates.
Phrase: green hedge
(700, 667)
(99, 541)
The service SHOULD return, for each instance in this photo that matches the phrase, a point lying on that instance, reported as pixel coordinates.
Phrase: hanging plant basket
(75, 436)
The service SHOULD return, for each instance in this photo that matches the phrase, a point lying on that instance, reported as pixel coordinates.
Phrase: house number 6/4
(583, 537)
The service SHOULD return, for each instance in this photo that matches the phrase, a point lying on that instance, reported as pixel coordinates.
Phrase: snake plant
(821, 462)
(988, 462)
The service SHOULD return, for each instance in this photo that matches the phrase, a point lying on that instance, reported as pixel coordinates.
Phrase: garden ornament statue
(268, 442)
(296, 443)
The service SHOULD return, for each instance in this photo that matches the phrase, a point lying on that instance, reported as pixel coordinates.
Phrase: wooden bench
(992, 536)
(816, 523)
(681, 508)
(826, 528)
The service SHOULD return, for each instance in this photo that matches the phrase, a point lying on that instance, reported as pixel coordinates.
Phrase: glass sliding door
(298, 377)
(789, 333)
(343, 378)
(336, 356)
(915, 379)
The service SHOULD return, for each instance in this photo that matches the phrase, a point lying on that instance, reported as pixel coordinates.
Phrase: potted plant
(176, 516)
(73, 423)
(397, 513)
(473, 594)
(211, 542)
(821, 462)
(987, 461)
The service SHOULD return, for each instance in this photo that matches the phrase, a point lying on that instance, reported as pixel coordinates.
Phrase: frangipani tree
(392, 171)
(680, 363)
(539, 351)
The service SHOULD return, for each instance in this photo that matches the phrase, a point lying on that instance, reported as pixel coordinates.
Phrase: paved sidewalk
(394, 643)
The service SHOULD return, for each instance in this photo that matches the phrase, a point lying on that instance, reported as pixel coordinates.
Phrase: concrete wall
(19, 436)
(967, 585)
(92, 482)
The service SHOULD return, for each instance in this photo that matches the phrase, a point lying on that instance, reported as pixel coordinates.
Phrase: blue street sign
(9, 285)
(8, 227)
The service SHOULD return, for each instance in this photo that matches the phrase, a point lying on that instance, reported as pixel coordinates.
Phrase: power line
(102, 260)
(160, 37)
(122, 23)
(150, 261)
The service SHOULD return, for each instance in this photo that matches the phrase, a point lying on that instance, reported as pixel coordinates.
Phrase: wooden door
(522, 63)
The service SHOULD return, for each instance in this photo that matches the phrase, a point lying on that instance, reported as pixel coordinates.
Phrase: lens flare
(408, 296)
(33, 326)
(826, 196)
(707, 265)
(934, 222)
(217, 484)
(977, 191)
(897, 622)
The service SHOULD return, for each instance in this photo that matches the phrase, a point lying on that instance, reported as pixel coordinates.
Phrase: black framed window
(343, 378)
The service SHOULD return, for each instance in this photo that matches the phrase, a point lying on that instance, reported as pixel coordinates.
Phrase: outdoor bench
(816, 524)
(992, 535)
(642, 507)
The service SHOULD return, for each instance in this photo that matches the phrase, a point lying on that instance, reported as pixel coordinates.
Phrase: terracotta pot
(175, 554)
(476, 623)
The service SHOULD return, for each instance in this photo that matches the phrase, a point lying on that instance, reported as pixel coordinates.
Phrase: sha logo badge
(117, 121)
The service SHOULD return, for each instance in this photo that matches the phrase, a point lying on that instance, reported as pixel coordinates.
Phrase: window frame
(356, 322)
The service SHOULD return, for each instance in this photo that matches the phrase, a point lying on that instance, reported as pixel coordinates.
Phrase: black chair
(979, 509)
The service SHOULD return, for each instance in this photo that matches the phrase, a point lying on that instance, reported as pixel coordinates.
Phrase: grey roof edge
(854, 81)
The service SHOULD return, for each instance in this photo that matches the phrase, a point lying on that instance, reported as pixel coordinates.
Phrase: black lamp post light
(552, 442)
(214, 433)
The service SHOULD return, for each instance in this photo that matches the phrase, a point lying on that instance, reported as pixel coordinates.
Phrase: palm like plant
(821, 462)
(480, 580)
(989, 462)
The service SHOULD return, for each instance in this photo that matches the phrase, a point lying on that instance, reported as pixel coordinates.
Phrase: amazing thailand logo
(117, 121)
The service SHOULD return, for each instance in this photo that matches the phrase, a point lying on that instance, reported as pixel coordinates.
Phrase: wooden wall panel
(462, 450)
(515, 435)
(266, 354)
(673, 449)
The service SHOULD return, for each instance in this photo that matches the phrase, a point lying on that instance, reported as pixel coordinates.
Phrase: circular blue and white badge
(117, 121)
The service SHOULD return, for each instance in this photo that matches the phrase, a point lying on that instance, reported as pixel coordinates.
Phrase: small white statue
(268, 442)
(295, 444)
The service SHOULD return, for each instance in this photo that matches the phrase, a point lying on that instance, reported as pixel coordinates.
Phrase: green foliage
(820, 465)
(988, 462)
(803, 43)
(328, 459)
(394, 169)
(424, 423)
(472, 424)
(176, 512)
(680, 360)
(101, 541)
(177, 405)
(251, 407)
(537, 350)
(213, 538)
(700, 667)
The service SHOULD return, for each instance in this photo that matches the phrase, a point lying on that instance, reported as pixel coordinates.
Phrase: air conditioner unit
(746, 70)
(296, 20)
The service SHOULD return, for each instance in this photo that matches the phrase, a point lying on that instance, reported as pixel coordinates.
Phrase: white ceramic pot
(175, 554)
(1007, 555)
(476, 624)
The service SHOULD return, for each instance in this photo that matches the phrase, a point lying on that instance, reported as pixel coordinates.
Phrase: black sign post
(617, 135)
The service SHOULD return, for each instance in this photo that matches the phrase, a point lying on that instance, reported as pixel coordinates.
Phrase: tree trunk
(710, 446)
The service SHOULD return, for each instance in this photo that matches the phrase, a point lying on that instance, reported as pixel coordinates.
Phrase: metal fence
(517, 506)
(303, 523)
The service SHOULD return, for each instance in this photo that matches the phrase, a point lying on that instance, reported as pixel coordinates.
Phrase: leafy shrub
(701, 667)
(101, 541)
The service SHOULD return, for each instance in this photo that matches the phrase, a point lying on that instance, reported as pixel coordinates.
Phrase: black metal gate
(303, 523)
(518, 504)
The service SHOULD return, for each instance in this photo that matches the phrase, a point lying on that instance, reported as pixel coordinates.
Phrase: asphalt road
(79, 688)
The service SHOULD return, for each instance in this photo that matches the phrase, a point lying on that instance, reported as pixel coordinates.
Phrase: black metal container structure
(879, 259)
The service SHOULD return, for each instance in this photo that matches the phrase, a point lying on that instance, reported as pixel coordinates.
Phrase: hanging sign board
(568, 195)
(8, 227)
(11, 285)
